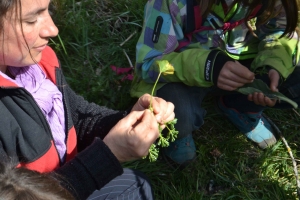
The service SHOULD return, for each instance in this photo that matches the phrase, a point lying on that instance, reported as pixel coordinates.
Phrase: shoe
(255, 126)
(181, 152)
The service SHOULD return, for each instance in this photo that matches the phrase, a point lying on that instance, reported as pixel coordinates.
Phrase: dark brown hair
(290, 6)
(25, 184)
(5, 7)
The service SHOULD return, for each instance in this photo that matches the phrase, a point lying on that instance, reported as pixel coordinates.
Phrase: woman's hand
(259, 98)
(234, 75)
(163, 110)
(131, 137)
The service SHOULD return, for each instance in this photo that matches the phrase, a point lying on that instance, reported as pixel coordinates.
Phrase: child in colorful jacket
(218, 46)
(46, 127)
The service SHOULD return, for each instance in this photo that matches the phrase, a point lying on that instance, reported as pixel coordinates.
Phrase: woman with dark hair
(49, 128)
(217, 46)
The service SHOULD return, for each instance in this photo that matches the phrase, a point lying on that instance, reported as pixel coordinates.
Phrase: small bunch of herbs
(165, 68)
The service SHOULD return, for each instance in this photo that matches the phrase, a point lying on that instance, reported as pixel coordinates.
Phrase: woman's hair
(5, 6)
(25, 184)
(290, 6)
(15, 6)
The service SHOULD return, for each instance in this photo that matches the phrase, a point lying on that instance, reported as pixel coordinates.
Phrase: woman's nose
(49, 29)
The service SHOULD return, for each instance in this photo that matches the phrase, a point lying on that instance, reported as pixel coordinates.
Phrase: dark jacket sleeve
(90, 170)
(95, 165)
(89, 119)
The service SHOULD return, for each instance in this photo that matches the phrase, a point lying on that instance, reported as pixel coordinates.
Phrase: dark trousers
(188, 100)
(131, 185)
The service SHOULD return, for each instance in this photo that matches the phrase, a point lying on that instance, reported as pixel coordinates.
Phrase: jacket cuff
(214, 63)
(262, 73)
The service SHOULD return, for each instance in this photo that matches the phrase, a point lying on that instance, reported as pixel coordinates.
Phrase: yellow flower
(165, 67)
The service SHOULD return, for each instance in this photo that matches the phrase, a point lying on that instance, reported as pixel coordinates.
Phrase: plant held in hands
(165, 68)
(259, 86)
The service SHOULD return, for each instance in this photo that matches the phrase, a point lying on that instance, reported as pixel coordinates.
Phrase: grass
(227, 165)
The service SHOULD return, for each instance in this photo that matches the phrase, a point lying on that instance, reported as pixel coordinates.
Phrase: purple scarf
(48, 97)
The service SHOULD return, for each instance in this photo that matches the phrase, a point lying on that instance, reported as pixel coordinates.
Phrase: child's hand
(274, 78)
(260, 98)
(234, 75)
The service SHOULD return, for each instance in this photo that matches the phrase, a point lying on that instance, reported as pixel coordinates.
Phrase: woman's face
(23, 40)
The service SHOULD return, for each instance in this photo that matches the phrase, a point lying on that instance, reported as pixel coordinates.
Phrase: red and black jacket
(25, 133)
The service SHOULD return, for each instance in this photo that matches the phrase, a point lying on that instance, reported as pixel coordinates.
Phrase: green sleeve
(281, 54)
(193, 67)
(189, 67)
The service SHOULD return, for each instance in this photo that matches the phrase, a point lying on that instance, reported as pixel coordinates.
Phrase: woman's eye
(31, 21)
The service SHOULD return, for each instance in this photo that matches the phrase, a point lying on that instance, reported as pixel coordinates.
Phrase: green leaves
(172, 132)
(259, 86)
(163, 140)
(153, 153)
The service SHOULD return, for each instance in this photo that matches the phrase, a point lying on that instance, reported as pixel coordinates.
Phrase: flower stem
(153, 91)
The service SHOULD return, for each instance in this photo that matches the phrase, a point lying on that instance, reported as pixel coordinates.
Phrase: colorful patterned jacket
(198, 48)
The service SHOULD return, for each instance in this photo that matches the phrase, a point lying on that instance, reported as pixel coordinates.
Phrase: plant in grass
(165, 68)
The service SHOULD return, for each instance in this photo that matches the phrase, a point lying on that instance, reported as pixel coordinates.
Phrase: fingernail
(158, 118)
